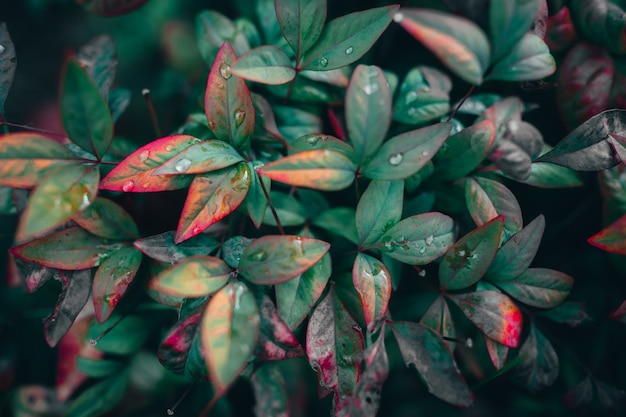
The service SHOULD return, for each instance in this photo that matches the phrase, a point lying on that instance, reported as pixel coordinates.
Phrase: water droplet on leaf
(323, 61)
(144, 156)
(422, 249)
(93, 342)
(220, 86)
(128, 186)
(197, 230)
(349, 50)
(370, 88)
(410, 97)
(469, 343)
(259, 256)
(429, 240)
(2, 49)
(183, 165)
(239, 116)
(425, 153)
(313, 140)
(225, 71)
(398, 17)
(396, 159)
(422, 273)
(170, 412)
(460, 253)
(169, 148)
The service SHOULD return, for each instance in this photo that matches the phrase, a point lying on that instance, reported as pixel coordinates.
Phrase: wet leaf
(347, 38)
(540, 365)
(211, 197)
(372, 281)
(494, 314)
(271, 260)
(100, 398)
(229, 330)
(509, 20)
(438, 318)
(8, 63)
(379, 208)
(201, 157)
(301, 23)
(423, 97)
(539, 287)
(212, 30)
(611, 238)
(196, 276)
(163, 248)
(571, 313)
(459, 43)
(106, 219)
(270, 392)
(276, 341)
(467, 261)
(135, 172)
(266, 64)
(433, 360)
(368, 110)
(317, 169)
(99, 60)
(107, 8)
(317, 141)
(528, 60)
(405, 154)
(497, 352)
(419, 239)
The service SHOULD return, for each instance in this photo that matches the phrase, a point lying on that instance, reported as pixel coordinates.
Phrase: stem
(5, 127)
(170, 411)
(291, 86)
(153, 116)
(335, 123)
(458, 106)
(34, 129)
(273, 210)
(212, 403)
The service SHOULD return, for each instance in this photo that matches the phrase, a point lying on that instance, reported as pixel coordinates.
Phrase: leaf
(317, 141)
(459, 43)
(339, 221)
(99, 60)
(368, 110)
(529, 60)
(211, 197)
(76, 287)
(463, 152)
(433, 360)
(494, 314)
(60, 194)
(372, 281)
(539, 287)
(84, 112)
(213, 29)
(196, 276)
(545, 175)
(497, 352)
(540, 365)
(8, 63)
(423, 97)
(256, 202)
(266, 64)
(201, 157)
(135, 172)
(233, 249)
(106, 219)
(419, 239)
(289, 210)
(317, 169)
(509, 20)
(107, 8)
(26, 158)
(611, 238)
(296, 297)
(271, 260)
(99, 368)
(126, 337)
(347, 38)
(301, 23)
(101, 397)
(119, 100)
(601, 22)
(270, 392)
(228, 103)
(229, 329)
(163, 248)
(276, 341)
(467, 261)
(438, 318)
(333, 344)
(570, 312)
(379, 208)
(587, 147)
(405, 154)
(33, 275)
(516, 255)
(560, 32)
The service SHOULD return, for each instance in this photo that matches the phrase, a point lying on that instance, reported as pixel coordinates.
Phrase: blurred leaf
(107, 8)
(494, 314)
(99, 60)
(602, 22)
(317, 169)
(570, 312)
(433, 360)
(620, 313)
(610, 398)
(270, 392)
(271, 260)
(560, 32)
(163, 248)
(106, 219)
(347, 38)
(211, 197)
(405, 154)
(540, 365)
(497, 352)
(201, 157)
(459, 43)
(266, 64)
(212, 30)
(580, 394)
(419, 239)
(100, 398)
(229, 328)
(529, 60)
(509, 20)
(611, 238)
(379, 208)
(196, 276)
(372, 282)
(8, 63)
(99, 368)
(438, 318)
(276, 341)
(423, 97)
(539, 287)
(467, 261)
(118, 101)
(301, 23)
(123, 337)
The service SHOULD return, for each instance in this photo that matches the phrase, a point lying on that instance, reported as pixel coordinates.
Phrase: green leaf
(529, 60)
(463, 152)
(570, 312)
(123, 338)
(99, 368)
(509, 20)
(338, 221)
(611, 238)
(256, 201)
(545, 175)
(372, 281)
(8, 63)
(317, 169)
(467, 261)
(233, 249)
(602, 22)
(316, 141)
(270, 391)
(368, 110)
(296, 297)
(62, 193)
(100, 398)
(379, 208)
(433, 361)
(112, 279)
(405, 154)
(212, 30)
(118, 101)
(289, 210)
(347, 38)
(162, 247)
(540, 365)
(229, 329)
(266, 64)
(420, 239)
(106, 219)
(423, 97)
(211, 197)
(438, 318)
(84, 112)
(228, 103)
(516, 255)
(539, 287)
(301, 22)
(201, 157)
(494, 314)
(196, 276)
(99, 60)
(271, 260)
(459, 43)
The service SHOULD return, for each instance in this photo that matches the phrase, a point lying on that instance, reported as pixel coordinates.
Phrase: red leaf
(612, 238)
(276, 341)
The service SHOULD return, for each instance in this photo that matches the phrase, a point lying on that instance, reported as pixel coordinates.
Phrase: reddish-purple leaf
(111, 8)
(560, 33)
(540, 364)
(612, 238)
(276, 341)
(620, 313)
(372, 281)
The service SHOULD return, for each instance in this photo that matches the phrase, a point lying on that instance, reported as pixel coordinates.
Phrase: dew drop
(425, 153)
(349, 50)
(323, 61)
(410, 97)
(239, 116)
(469, 343)
(396, 159)
(313, 140)
(169, 148)
(170, 412)
(370, 88)
(259, 256)
(128, 186)
(220, 86)
(183, 165)
(93, 342)
(422, 249)
(143, 157)
(145, 185)
(398, 17)
(429, 240)
(196, 230)
(225, 71)
(412, 112)
(460, 253)
(422, 273)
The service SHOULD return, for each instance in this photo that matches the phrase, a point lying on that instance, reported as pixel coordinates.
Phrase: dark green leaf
(540, 365)
(509, 20)
(163, 248)
(301, 22)
(233, 248)
(99, 368)
(256, 201)
(570, 312)
(266, 64)
(99, 60)
(8, 63)
(539, 287)
(289, 210)
(212, 30)
(423, 97)
(545, 175)
(125, 337)
(529, 60)
(107, 219)
(100, 398)
(338, 221)
(379, 208)
(601, 21)
(119, 100)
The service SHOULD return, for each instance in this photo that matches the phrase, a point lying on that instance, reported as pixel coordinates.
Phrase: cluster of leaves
(266, 263)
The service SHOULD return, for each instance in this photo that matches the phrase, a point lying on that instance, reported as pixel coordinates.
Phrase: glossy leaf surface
(196, 276)
(266, 64)
(106, 219)
(509, 20)
(372, 281)
(611, 238)
(529, 60)
(163, 248)
(423, 96)
(379, 208)
(301, 22)
(8, 63)
(276, 341)
(539, 287)
(205, 156)
(540, 366)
